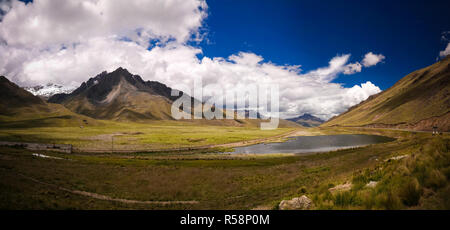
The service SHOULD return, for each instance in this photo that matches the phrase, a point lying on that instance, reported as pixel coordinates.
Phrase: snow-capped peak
(49, 90)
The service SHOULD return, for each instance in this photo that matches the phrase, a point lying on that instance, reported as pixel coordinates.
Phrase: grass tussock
(418, 181)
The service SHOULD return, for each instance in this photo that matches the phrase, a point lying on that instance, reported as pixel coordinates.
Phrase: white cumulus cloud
(66, 42)
(445, 52)
(353, 68)
(371, 59)
(54, 22)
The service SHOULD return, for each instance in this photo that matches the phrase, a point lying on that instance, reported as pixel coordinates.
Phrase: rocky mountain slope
(419, 101)
(119, 95)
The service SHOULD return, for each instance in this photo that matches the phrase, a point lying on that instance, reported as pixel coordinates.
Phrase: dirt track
(107, 198)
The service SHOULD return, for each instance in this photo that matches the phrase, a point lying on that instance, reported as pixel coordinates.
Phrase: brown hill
(418, 101)
(12, 97)
(20, 108)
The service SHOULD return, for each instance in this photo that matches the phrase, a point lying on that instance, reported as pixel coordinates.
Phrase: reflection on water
(307, 144)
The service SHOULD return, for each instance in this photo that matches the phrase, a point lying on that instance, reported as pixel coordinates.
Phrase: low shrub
(435, 179)
(410, 192)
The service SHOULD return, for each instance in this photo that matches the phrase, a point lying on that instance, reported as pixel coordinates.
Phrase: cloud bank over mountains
(445, 52)
(445, 38)
(66, 42)
(51, 22)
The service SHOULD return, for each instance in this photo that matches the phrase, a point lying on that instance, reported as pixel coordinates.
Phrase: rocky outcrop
(396, 158)
(372, 184)
(297, 203)
(341, 188)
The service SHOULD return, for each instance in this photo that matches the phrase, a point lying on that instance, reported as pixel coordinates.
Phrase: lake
(309, 144)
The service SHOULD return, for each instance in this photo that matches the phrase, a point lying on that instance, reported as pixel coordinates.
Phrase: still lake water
(308, 144)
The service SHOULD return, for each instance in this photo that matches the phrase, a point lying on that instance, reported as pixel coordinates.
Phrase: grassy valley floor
(110, 136)
(198, 180)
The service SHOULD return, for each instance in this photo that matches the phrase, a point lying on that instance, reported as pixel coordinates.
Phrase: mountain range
(117, 96)
(419, 101)
(122, 96)
(307, 120)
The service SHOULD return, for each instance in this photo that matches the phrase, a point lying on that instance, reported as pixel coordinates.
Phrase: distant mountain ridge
(419, 101)
(48, 90)
(307, 120)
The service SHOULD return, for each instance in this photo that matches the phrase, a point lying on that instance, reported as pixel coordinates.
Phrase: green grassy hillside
(418, 101)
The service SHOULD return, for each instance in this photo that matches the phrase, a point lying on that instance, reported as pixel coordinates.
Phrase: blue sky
(67, 42)
(309, 33)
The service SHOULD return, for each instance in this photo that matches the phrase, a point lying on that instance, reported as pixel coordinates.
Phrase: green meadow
(208, 180)
(137, 136)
